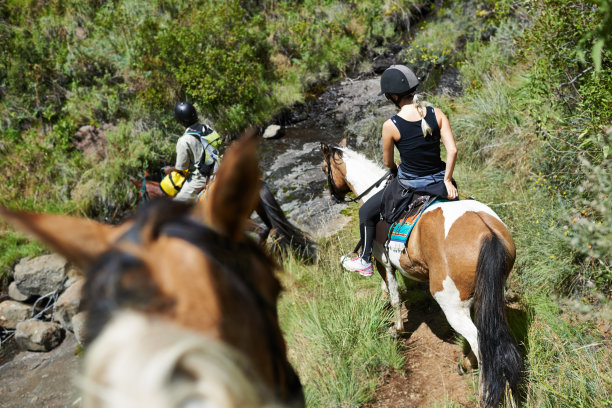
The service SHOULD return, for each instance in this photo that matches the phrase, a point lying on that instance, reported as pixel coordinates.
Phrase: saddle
(399, 231)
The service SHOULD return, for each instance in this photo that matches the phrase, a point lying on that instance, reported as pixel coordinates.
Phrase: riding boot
(369, 233)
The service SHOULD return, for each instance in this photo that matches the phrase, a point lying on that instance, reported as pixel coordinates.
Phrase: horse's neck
(362, 173)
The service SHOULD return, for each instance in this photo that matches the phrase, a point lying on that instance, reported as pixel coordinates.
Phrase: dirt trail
(431, 373)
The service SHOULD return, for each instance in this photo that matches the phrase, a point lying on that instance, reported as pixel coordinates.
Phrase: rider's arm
(388, 138)
(446, 134)
(183, 161)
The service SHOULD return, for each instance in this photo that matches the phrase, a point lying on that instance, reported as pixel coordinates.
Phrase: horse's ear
(78, 239)
(343, 142)
(235, 191)
(325, 149)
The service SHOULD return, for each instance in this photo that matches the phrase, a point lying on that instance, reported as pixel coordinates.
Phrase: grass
(336, 325)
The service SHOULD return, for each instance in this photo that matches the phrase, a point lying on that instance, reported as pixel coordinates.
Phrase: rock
(36, 335)
(40, 275)
(271, 132)
(78, 326)
(67, 304)
(73, 274)
(450, 83)
(11, 313)
(15, 294)
(92, 141)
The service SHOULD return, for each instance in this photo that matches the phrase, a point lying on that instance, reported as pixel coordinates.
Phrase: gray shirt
(189, 151)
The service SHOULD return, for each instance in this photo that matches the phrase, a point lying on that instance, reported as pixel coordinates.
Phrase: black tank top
(420, 155)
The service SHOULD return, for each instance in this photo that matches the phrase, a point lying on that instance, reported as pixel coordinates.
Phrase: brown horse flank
(286, 234)
(182, 306)
(464, 251)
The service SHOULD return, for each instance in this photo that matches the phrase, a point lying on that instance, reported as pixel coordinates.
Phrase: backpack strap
(200, 133)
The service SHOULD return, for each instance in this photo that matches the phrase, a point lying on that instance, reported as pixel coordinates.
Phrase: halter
(333, 189)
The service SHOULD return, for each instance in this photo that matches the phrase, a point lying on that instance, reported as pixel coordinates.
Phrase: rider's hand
(167, 169)
(451, 190)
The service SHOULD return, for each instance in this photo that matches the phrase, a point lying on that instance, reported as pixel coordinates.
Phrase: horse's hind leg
(457, 313)
(383, 274)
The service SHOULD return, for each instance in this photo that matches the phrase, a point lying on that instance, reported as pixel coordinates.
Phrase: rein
(333, 189)
(144, 194)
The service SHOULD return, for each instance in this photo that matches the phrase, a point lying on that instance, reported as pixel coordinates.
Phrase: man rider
(197, 154)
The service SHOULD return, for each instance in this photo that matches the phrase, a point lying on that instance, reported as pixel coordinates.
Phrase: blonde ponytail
(421, 107)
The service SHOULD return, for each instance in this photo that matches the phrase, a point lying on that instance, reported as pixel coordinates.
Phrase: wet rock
(36, 335)
(67, 305)
(78, 326)
(272, 131)
(15, 294)
(11, 313)
(40, 275)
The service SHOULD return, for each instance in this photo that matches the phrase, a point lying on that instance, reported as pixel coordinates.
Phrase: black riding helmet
(398, 80)
(185, 113)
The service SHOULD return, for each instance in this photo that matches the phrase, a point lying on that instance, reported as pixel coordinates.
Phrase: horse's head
(334, 168)
(183, 267)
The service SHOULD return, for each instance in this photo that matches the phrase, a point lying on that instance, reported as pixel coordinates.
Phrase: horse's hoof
(393, 332)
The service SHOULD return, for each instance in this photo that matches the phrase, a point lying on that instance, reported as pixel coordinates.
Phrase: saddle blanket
(400, 231)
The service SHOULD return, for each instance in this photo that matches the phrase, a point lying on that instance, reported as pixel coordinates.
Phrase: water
(291, 165)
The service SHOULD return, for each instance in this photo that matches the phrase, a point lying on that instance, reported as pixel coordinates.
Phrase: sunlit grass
(336, 324)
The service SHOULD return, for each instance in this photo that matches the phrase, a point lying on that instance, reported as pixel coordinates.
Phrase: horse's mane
(361, 172)
(361, 164)
(146, 362)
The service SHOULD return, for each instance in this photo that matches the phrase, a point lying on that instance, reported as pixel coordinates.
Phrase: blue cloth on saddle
(400, 231)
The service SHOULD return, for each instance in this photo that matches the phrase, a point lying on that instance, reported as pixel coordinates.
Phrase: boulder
(67, 304)
(40, 275)
(78, 326)
(15, 294)
(271, 132)
(36, 335)
(11, 313)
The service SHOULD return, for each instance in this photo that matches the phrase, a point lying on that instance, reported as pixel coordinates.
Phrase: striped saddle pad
(399, 232)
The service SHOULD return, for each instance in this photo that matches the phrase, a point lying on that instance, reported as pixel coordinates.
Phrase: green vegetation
(337, 328)
(533, 125)
(122, 66)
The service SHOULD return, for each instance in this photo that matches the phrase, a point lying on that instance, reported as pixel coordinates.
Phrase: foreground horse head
(172, 289)
(465, 252)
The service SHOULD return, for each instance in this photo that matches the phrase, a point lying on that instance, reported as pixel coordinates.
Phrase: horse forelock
(139, 361)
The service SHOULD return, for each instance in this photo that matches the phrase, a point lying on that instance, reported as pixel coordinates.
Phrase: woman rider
(416, 131)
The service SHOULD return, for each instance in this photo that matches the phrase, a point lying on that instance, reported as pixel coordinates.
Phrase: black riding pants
(369, 215)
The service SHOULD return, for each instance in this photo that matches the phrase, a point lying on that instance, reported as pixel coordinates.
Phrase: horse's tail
(288, 234)
(500, 360)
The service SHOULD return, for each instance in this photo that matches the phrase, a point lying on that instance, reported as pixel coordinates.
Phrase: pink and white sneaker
(357, 264)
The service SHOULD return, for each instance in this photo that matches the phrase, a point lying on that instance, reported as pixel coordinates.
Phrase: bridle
(333, 189)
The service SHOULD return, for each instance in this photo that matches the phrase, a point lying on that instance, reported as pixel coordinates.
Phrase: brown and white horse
(465, 252)
(181, 305)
